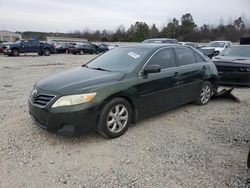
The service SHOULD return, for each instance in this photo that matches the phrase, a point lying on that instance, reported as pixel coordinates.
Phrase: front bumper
(237, 79)
(70, 121)
(7, 51)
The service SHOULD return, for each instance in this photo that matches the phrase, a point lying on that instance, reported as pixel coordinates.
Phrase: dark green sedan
(121, 87)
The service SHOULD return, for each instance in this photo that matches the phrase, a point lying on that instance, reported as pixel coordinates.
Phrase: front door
(25, 46)
(159, 91)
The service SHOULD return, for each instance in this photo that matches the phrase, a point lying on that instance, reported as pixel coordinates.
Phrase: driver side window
(165, 58)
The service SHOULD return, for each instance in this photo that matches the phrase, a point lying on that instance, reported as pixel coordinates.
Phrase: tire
(46, 52)
(81, 52)
(14, 52)
(248, 160)
(205, 93)
(97, 51)
(115, 118)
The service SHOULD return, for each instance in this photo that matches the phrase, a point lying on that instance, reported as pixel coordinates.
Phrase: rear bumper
(70, 121)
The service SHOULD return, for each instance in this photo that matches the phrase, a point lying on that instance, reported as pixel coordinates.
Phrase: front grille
(42, 99)
(227, 69)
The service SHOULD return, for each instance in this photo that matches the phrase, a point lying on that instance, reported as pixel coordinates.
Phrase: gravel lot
(190, 146)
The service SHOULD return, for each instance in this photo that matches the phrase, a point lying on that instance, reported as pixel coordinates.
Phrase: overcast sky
(70, 15)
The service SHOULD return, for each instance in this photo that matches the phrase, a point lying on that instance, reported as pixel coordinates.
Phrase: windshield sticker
(134, 55)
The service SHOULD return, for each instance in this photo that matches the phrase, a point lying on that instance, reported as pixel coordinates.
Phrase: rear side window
(185, 56)
(165, 58)
(198, 57)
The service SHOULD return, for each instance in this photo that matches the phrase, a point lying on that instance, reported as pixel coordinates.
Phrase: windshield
(216, 44)
(79, 46)
(119, 59)
(243, 51)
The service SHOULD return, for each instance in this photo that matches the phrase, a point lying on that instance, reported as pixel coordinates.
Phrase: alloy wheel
(117, 118)
(205, 94)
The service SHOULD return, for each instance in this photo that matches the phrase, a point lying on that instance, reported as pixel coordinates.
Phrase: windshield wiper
(84, 65)
(101, 69)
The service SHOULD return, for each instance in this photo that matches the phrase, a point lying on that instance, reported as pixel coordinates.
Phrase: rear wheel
(15, 52)
(46, 52)
(115, 118)
(97, 51)
(205, 93)
(81, 52)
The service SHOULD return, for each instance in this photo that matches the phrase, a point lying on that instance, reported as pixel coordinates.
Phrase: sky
(71, 15)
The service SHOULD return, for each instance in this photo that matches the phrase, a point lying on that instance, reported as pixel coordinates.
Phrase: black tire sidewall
(198, 99)
(15, 52)
(46, 50)
(102, 123)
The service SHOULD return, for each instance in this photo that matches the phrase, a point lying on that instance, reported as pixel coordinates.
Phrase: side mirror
(152, 69)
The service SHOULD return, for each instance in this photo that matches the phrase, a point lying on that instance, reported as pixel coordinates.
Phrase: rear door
(159, 91)
(89, 48)
(192, 72)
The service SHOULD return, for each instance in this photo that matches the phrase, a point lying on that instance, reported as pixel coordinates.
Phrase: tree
(154, 32)
(171, 31)
(120, 34)
(138, 32)
(239, 24)
(187, 27)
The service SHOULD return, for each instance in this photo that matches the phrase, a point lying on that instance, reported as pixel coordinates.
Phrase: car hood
(13, 45)
(77, 79)
(216, 49)
(232, 59)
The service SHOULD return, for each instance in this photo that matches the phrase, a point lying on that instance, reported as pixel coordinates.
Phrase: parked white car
(218, 46)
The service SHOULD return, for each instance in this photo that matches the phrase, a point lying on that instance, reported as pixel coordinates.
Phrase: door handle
(176, 74)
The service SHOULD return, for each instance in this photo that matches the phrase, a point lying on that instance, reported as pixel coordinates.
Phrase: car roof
(153, 46)
(160, 39)
(220, 41)
(241, 45)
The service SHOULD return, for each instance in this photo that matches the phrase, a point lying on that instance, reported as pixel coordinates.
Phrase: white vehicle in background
(194, 45)
(218, 46)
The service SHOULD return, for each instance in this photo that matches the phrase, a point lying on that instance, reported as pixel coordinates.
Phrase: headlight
(74, 99)
(245, 69)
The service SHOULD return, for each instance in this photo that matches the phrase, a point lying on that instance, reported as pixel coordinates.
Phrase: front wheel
(115, 118)
(46, 52)
(205, 93)
(81, 52)
(15, 52)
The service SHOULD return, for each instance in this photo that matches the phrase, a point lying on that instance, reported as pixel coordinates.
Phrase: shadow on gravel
(225, 94)
(57, 139)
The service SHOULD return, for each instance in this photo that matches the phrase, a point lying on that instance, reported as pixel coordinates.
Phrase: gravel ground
(190, 146)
